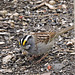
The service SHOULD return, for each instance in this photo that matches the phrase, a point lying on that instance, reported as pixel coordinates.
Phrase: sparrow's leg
(31, 58)
(38, 61)
(42, 58)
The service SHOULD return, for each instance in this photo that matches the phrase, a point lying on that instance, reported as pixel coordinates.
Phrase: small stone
(73, 40)
(52, 2)
(64, 12)
(61, 71)
(3, 12)
(59, 6)
(71, 24)
(18, 31)
(12, 37)
(6, 70)
(63, 22)
(48, 73)
(24, 52)
(4, 33)
(54, 11)
(14, 1)
(53, 24)
(31, 2)
(26, 71)
(59, 11)
(40, 11)
(25, 23)
(49, 20)
(59, 43)
(60, 38)
(9, 14)
(15, 14)
(65, 62)
(1, 43)
(39, 2)
(43, 29)
(42, 69)
(58, 66)
(6, 59)
(64, 6)
(46, 64)
(72, 53)
(69, 43)
(1, 18)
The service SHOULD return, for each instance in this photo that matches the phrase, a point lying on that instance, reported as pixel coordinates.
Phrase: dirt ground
(20, 17)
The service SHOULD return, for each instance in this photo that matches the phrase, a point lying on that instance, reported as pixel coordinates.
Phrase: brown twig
(38, 6)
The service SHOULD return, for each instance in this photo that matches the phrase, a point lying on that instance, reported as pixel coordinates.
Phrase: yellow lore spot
(24, 42)
(19, 43)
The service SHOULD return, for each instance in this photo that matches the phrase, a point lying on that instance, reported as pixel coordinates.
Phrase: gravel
(19, 17)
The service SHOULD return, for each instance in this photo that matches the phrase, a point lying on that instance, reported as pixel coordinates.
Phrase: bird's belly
(43, 48)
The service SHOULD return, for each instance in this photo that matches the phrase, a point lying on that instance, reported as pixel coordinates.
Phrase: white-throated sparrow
(37, 43)
(40, 43)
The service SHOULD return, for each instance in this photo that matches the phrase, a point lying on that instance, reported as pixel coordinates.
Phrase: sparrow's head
(26, 42)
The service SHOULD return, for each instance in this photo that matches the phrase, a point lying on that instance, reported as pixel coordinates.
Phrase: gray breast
(40, 48)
